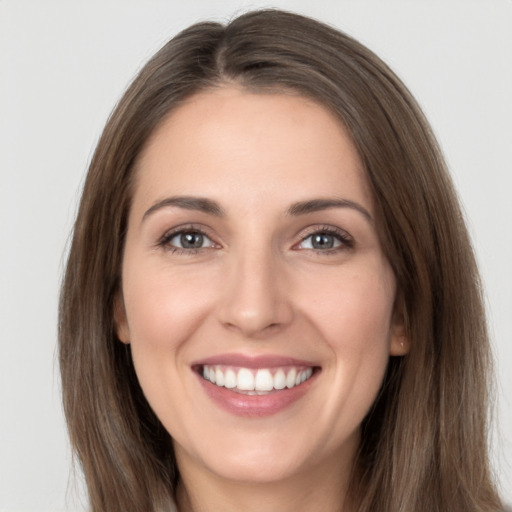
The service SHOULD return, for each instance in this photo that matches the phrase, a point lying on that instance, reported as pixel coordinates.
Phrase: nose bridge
(255, 297)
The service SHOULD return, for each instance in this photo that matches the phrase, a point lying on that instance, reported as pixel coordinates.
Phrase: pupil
(323, 241)
(191, 240)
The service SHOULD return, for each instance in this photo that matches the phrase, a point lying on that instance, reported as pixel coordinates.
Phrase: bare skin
(252, 242)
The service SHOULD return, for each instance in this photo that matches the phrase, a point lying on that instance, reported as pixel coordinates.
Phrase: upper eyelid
(184, 228)
(172, 236)
(323, 228)
(346, 239)
(302, 235)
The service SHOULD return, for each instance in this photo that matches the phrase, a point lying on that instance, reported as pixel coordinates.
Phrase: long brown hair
(424, 443)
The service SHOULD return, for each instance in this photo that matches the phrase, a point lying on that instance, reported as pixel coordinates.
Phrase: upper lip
(252, 361)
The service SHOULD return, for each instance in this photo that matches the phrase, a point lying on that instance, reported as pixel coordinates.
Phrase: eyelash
(344, 239)
(164, 242)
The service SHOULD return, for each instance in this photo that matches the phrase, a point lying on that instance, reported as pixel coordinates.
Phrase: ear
(120, 320)
(399, 344)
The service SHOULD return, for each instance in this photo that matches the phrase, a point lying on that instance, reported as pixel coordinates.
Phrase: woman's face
(256, 296)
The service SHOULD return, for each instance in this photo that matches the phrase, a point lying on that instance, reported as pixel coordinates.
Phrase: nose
(256, 302)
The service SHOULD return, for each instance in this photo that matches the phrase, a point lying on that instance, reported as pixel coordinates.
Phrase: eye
(186, 240)
(326, 240)
(190, 240)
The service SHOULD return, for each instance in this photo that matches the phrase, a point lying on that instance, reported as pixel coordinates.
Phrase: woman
(271, 301)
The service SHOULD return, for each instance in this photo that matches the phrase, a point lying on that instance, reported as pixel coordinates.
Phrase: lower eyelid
(343, 239)
(206, 239)
(165, 240)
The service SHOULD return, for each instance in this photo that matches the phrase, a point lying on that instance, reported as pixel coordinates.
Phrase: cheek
(354, 318)
(359, 336)
(355, 306)
(162, 310)
(163, 314)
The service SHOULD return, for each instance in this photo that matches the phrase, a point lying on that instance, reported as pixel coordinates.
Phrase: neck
(322, 489)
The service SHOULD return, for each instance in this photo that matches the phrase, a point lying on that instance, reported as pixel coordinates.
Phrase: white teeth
(290, 378)
(245, 380)
(279, 380)
(219, 377)
(264, 381)
(255, 381)
(230, 379)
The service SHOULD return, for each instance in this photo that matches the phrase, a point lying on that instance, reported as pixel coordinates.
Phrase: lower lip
(255, 405)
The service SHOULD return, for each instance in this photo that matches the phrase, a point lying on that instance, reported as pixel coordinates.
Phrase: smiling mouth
(255, 381)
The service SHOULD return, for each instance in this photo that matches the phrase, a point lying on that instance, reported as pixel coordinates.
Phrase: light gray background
(64, 64)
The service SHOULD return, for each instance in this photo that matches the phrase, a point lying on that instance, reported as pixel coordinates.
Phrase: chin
(257, 469)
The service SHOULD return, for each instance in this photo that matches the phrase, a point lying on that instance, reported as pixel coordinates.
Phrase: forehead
(228, 139)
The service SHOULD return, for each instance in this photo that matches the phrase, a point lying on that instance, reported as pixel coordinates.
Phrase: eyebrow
(316, 205)
(211, 207)
(200, 204)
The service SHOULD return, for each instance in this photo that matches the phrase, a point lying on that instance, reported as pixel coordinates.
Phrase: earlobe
(120, 320)
(399, 343)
